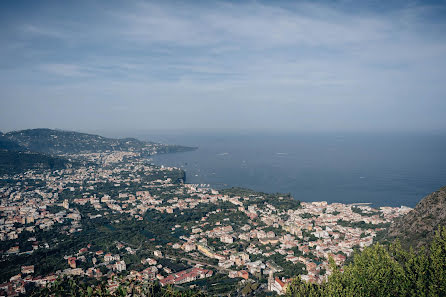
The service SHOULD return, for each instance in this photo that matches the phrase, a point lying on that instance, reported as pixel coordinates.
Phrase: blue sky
(223, 65)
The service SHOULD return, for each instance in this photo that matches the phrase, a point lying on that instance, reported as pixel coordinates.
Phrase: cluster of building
(186, 276)
(310, 234)
(26, 207)
(244, 236)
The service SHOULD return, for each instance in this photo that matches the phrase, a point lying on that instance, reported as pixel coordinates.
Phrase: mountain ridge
(45, 148)
(54, 141)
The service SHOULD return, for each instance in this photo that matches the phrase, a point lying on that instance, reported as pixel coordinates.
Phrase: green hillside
(8, 144)
(62, 142)
(15, 162)
(68, 142)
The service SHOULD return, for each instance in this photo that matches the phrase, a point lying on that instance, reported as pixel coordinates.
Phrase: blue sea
(382, 169)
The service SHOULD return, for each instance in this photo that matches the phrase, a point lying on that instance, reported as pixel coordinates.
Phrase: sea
(384, 169)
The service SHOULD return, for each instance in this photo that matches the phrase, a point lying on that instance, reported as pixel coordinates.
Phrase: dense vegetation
(385, 271)
(14, 162)
(362, 224)
(78, 287)
(8, 144)
(278, 200)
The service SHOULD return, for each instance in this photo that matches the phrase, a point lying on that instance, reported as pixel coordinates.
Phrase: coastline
(336, 167)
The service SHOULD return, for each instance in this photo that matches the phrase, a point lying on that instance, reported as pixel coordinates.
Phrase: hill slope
(12, 162)
(418, 226)
(61, 142)
(66, 142)
(8, 144)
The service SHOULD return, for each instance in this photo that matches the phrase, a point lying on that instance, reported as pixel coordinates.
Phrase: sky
(223, 65)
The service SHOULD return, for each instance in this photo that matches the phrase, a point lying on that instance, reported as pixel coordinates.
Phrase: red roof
(281, 283)
(181, 276)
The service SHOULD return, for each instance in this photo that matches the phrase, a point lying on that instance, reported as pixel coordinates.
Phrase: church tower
(270, 280)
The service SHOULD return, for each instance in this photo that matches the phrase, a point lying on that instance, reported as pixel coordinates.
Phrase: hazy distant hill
(32, 148)
(418, 226)
(63, 142)
(8, 144)
(15, 158)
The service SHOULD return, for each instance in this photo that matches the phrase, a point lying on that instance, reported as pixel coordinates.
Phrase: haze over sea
(382, 169)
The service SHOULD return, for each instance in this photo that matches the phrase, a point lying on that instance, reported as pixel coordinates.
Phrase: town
(118, 217)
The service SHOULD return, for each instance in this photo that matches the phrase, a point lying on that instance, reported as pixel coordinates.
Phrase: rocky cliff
(419, 225)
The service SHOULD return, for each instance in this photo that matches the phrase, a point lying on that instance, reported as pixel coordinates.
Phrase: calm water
(390, 169)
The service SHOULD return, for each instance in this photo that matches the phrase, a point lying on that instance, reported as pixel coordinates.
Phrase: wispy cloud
(299, 54)
(42, 31)
(68, 70)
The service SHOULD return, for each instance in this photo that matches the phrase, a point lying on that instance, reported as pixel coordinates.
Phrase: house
(149, 261)
(27, 269)
(276, 285)
(187, 247)
(83, 250)
(227, 238)
(110, 257)
(279, 286)
(150, 273)
(13, 250)
(186, 276)
(243, 274)
(72, 262)
(233, 274)
(120, 266)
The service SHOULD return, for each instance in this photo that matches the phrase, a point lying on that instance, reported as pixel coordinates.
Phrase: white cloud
(43, 31)
(68, 70)
(244, 56)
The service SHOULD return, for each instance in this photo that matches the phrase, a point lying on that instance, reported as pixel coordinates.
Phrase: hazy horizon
(223, 66)
(169, 136)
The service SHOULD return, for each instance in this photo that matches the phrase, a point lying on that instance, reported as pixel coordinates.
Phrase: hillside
(35, 148)
(67, 142)
(16, 162)
(417, 228)
(391, 270)
(8, 144)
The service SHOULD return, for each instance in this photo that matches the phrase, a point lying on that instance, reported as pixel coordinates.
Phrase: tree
(385, 271)
(437, 263)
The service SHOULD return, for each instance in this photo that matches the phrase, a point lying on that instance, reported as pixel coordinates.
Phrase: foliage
(362, 224)
(9, 145)
(16, 162)
(289, 269)
(218, 284)
(249, 289)
(385, 271)
(278, 200)
(363, 213)
(76, 287)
